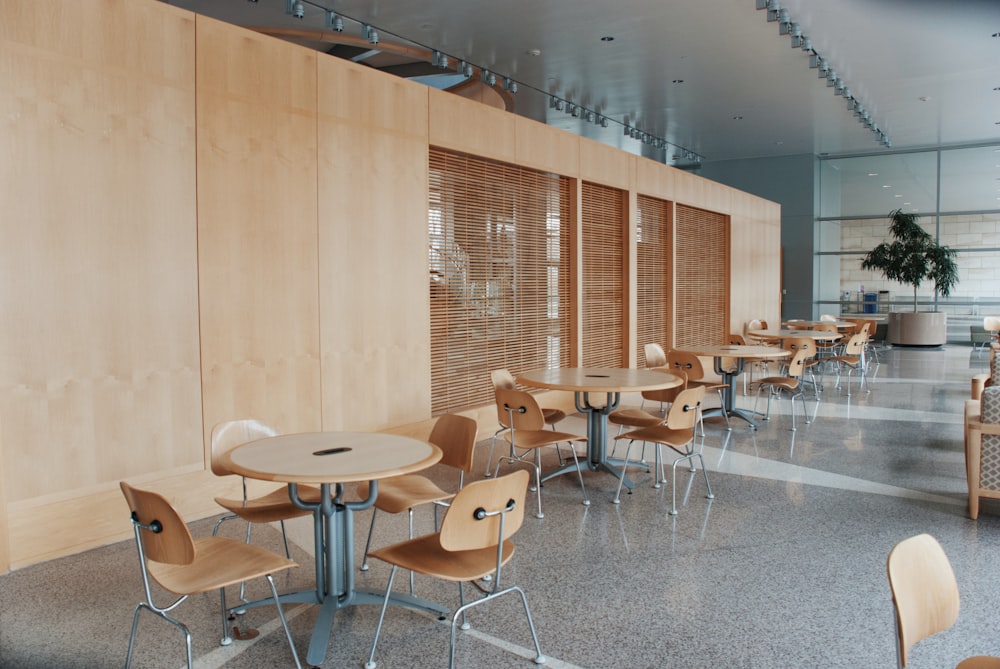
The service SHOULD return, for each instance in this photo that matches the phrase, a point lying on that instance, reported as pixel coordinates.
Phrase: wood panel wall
(201, 223)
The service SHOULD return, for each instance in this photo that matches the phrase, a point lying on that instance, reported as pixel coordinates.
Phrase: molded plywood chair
(521, 418)
(853, 358)
(456, 437)
(276, 505)
(185, 566)
(790, 384)
(677, 433)
(655, 356)
(474, 543)
(688, 364)
(925, 597)
(501, 378)
(982, 448)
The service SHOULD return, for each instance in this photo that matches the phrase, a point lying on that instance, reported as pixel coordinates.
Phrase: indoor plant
(912, 257)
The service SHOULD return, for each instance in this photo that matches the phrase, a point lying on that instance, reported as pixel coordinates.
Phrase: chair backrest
(467, 525)
(518, 409)
(795, 344)
(687, 364)
(683, 412)
(501, 378)
(991, 323)
(455, 435)
(736, 339)
(825, 327)
(797, 363)
(230, 434)
(655, 357)
(169, 540)
(856, 344)
(924, 591)
(829, 318)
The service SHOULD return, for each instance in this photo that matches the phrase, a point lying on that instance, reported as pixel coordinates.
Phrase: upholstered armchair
(982, 448)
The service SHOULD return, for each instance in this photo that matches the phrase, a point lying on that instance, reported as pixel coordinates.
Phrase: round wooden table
(610, 382)
(738, 354)
(778, 335)
(331, 459)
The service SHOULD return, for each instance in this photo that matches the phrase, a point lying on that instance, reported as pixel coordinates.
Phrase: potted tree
(911, 258)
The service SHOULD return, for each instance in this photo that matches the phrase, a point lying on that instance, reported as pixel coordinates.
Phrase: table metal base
(334, 548)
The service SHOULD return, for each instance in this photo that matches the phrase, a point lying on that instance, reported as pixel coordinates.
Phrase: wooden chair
(274, 506)
(524, 427)
(749, 364)
(501, 378)
(185, 566)
(688, 364)
(982, 448)
(474, 543)
(655, 356)
(456, 437)
(853, 358)
(791, 384)
(808, 344)
(925, 597)
(676, 433)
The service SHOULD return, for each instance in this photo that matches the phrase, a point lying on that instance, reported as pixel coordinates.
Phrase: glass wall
(956, 194)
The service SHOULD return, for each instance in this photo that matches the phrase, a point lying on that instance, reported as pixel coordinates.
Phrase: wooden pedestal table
(608, 383)
(330, 460)
(737, 353)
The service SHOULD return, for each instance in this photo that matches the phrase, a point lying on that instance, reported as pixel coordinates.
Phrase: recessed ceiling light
(924, 98)
(873, 174)
(737, 118)
(886, 186)
(678, 81)
(897, 195)
(533, 52)
(608, 38)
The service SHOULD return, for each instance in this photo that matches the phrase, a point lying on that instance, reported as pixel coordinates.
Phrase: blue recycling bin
(871, 303)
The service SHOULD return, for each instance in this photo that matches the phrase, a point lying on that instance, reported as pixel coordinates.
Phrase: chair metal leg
(461, 611)
(579, 475)
(368, 543)
(164, 616)
(621, 479)
(370, 664)
(284, 621)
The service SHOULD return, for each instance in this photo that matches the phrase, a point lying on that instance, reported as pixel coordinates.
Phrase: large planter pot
(918, 328)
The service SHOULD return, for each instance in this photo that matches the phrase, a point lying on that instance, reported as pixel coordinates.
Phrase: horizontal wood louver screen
(603, 275)
(701, 291)
(653, 255)
(499, 274)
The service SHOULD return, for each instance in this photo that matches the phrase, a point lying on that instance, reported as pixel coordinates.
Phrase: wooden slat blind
(653, 258)
(499, 274)
(701, 254)
(603, 275)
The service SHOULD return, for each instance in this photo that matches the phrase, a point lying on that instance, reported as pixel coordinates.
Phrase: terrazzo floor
(785, 567)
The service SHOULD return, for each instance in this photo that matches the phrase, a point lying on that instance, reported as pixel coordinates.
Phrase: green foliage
(913, 257)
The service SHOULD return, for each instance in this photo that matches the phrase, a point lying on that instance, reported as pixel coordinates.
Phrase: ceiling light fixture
(334, 22)
(787, 26)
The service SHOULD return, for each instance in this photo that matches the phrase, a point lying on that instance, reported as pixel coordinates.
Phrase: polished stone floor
(785, 567)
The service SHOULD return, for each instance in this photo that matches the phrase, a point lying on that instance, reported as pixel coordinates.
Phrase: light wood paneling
(99, 373)
(546, 148)
(303, 233)
(464, 125)
(374, 299)
(257, 228)
(606, 165)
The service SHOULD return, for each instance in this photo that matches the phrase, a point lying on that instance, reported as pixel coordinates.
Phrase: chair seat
(784, 382)
(424, 555)
(849, 360)
(272, 507)
(218, 562)
(660, 434)
(553, 416)
(528, 439)
(634, 417)
(980, 662)
(399, 493)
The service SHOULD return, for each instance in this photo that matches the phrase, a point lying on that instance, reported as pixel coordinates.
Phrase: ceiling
(712, 78)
